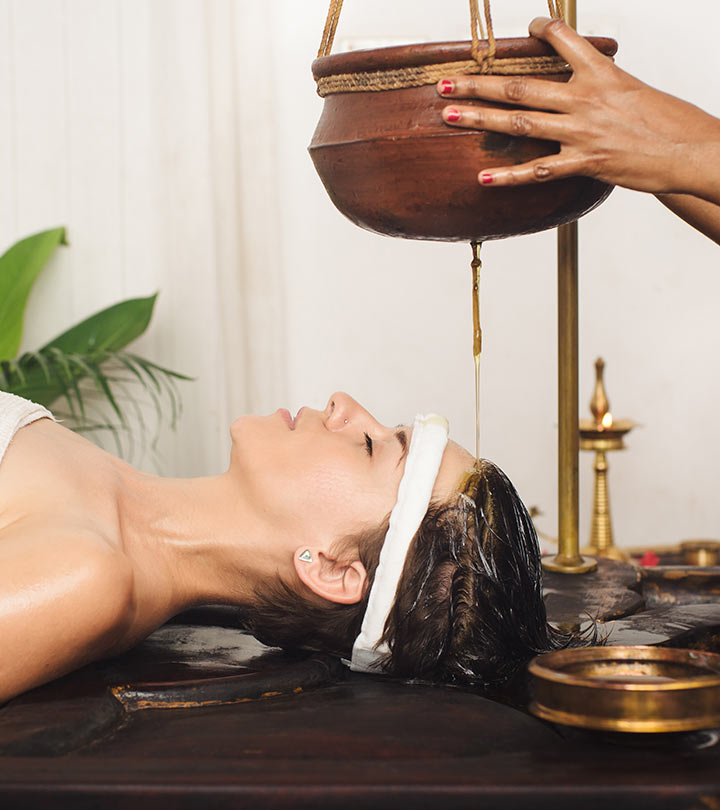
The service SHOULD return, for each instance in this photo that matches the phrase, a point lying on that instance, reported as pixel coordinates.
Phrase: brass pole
(570, 12)
(568, 559)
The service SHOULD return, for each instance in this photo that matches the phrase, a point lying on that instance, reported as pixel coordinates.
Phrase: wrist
(696, 170)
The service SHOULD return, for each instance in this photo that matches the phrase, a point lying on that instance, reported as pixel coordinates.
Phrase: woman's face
(331, 473)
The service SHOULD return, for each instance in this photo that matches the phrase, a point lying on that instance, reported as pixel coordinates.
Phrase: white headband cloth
(427, 445)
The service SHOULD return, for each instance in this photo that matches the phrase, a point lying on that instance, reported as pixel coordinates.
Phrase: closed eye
(368, 444)
(402, 437)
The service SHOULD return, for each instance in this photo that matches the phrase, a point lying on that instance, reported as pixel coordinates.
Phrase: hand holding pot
(611, 126)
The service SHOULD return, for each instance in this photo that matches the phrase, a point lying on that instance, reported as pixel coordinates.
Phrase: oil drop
(476, 264)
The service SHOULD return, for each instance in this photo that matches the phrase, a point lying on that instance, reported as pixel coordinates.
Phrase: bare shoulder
(61, 560)
(66, 598)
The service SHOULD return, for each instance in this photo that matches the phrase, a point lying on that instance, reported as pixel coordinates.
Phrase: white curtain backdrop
(170, 137)
(132, 122)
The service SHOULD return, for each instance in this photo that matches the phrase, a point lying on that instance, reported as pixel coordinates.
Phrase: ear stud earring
(306, 556)
(346, 421)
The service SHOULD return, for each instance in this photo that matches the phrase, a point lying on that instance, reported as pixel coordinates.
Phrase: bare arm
(63, 603)
(610, 125)
(701, 214)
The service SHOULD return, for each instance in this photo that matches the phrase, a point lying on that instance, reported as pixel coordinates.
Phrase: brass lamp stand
(602, 434)
(568, 559)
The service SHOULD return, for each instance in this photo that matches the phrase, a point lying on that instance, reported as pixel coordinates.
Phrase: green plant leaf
(76, 353)
(19, 267)
(85, 367)
(109, 330)
(46, 376)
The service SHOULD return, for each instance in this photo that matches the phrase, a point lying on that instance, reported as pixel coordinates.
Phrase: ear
(336, 581)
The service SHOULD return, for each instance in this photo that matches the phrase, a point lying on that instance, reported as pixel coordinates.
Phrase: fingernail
(486, 178)
(446, 86)
(451, 114)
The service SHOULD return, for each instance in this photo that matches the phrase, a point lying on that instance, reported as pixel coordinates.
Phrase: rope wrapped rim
(421, 64)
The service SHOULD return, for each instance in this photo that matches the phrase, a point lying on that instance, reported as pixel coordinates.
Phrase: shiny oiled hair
(469, 606)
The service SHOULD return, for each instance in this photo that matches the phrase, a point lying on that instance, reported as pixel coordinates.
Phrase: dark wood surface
(325, 738)
(681, 584)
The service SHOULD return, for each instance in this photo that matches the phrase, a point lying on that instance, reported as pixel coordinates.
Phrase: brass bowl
(630, 689)
(700, 552)
(392, 166)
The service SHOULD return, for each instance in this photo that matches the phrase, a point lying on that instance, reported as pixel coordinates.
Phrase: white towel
(16, 412)
(427, 445)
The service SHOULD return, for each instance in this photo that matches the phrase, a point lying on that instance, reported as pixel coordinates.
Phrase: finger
(541, 170)
(549, 126)
(573, 48)
(539, 93)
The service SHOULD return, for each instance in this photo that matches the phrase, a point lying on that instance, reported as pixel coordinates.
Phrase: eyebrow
(401, 436)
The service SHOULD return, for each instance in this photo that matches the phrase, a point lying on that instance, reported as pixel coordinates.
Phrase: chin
(243, 429)
(252, 435)
(243, 439)
(236, 427)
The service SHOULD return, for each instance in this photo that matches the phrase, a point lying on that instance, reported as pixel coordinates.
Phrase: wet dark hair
(468, 609)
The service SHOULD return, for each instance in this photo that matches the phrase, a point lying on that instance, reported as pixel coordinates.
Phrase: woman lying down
(385, 546)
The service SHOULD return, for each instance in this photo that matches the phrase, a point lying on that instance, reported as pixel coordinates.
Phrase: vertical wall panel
(228, 271)
(40, 143)
(257, 79)
(95, 146)
(144, 272)
(138, 159)
(39, 104)
(187, 331)
(8, 176)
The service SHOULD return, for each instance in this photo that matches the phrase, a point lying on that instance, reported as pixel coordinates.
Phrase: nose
(342, 411)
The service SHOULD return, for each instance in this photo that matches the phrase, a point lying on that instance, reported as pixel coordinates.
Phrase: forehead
(455, 463)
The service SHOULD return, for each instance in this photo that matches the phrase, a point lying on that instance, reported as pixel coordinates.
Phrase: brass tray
(630, 689)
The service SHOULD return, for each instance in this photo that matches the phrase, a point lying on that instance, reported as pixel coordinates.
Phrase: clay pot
(391, 165)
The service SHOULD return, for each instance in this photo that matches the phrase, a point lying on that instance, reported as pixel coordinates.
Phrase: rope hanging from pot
(483, 58)
(328, 36)
(476, 32)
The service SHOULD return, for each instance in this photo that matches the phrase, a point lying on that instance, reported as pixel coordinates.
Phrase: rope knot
(487, 64)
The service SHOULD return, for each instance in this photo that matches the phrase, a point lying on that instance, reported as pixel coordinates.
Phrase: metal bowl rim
(538, 668)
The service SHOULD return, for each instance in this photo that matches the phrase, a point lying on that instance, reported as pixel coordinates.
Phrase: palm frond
(164, 380)
(100, 391)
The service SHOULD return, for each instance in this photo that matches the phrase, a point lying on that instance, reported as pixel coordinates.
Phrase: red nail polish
(486, 178)
(451, 114)
(446, 86)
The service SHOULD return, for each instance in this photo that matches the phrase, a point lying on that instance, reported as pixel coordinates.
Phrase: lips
(285, 413)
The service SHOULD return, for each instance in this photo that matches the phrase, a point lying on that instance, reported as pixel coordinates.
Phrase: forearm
(695, 161)
(701, 214)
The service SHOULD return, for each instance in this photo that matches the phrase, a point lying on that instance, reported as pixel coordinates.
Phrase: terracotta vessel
(391, 165)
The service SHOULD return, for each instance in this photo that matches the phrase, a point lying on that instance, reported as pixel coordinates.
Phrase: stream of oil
(476, 264)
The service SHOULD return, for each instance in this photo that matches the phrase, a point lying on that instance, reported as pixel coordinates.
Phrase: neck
(195, 541)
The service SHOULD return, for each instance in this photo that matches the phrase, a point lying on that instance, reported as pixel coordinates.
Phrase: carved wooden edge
(311, 673)
(27, 731)
(75, 723)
